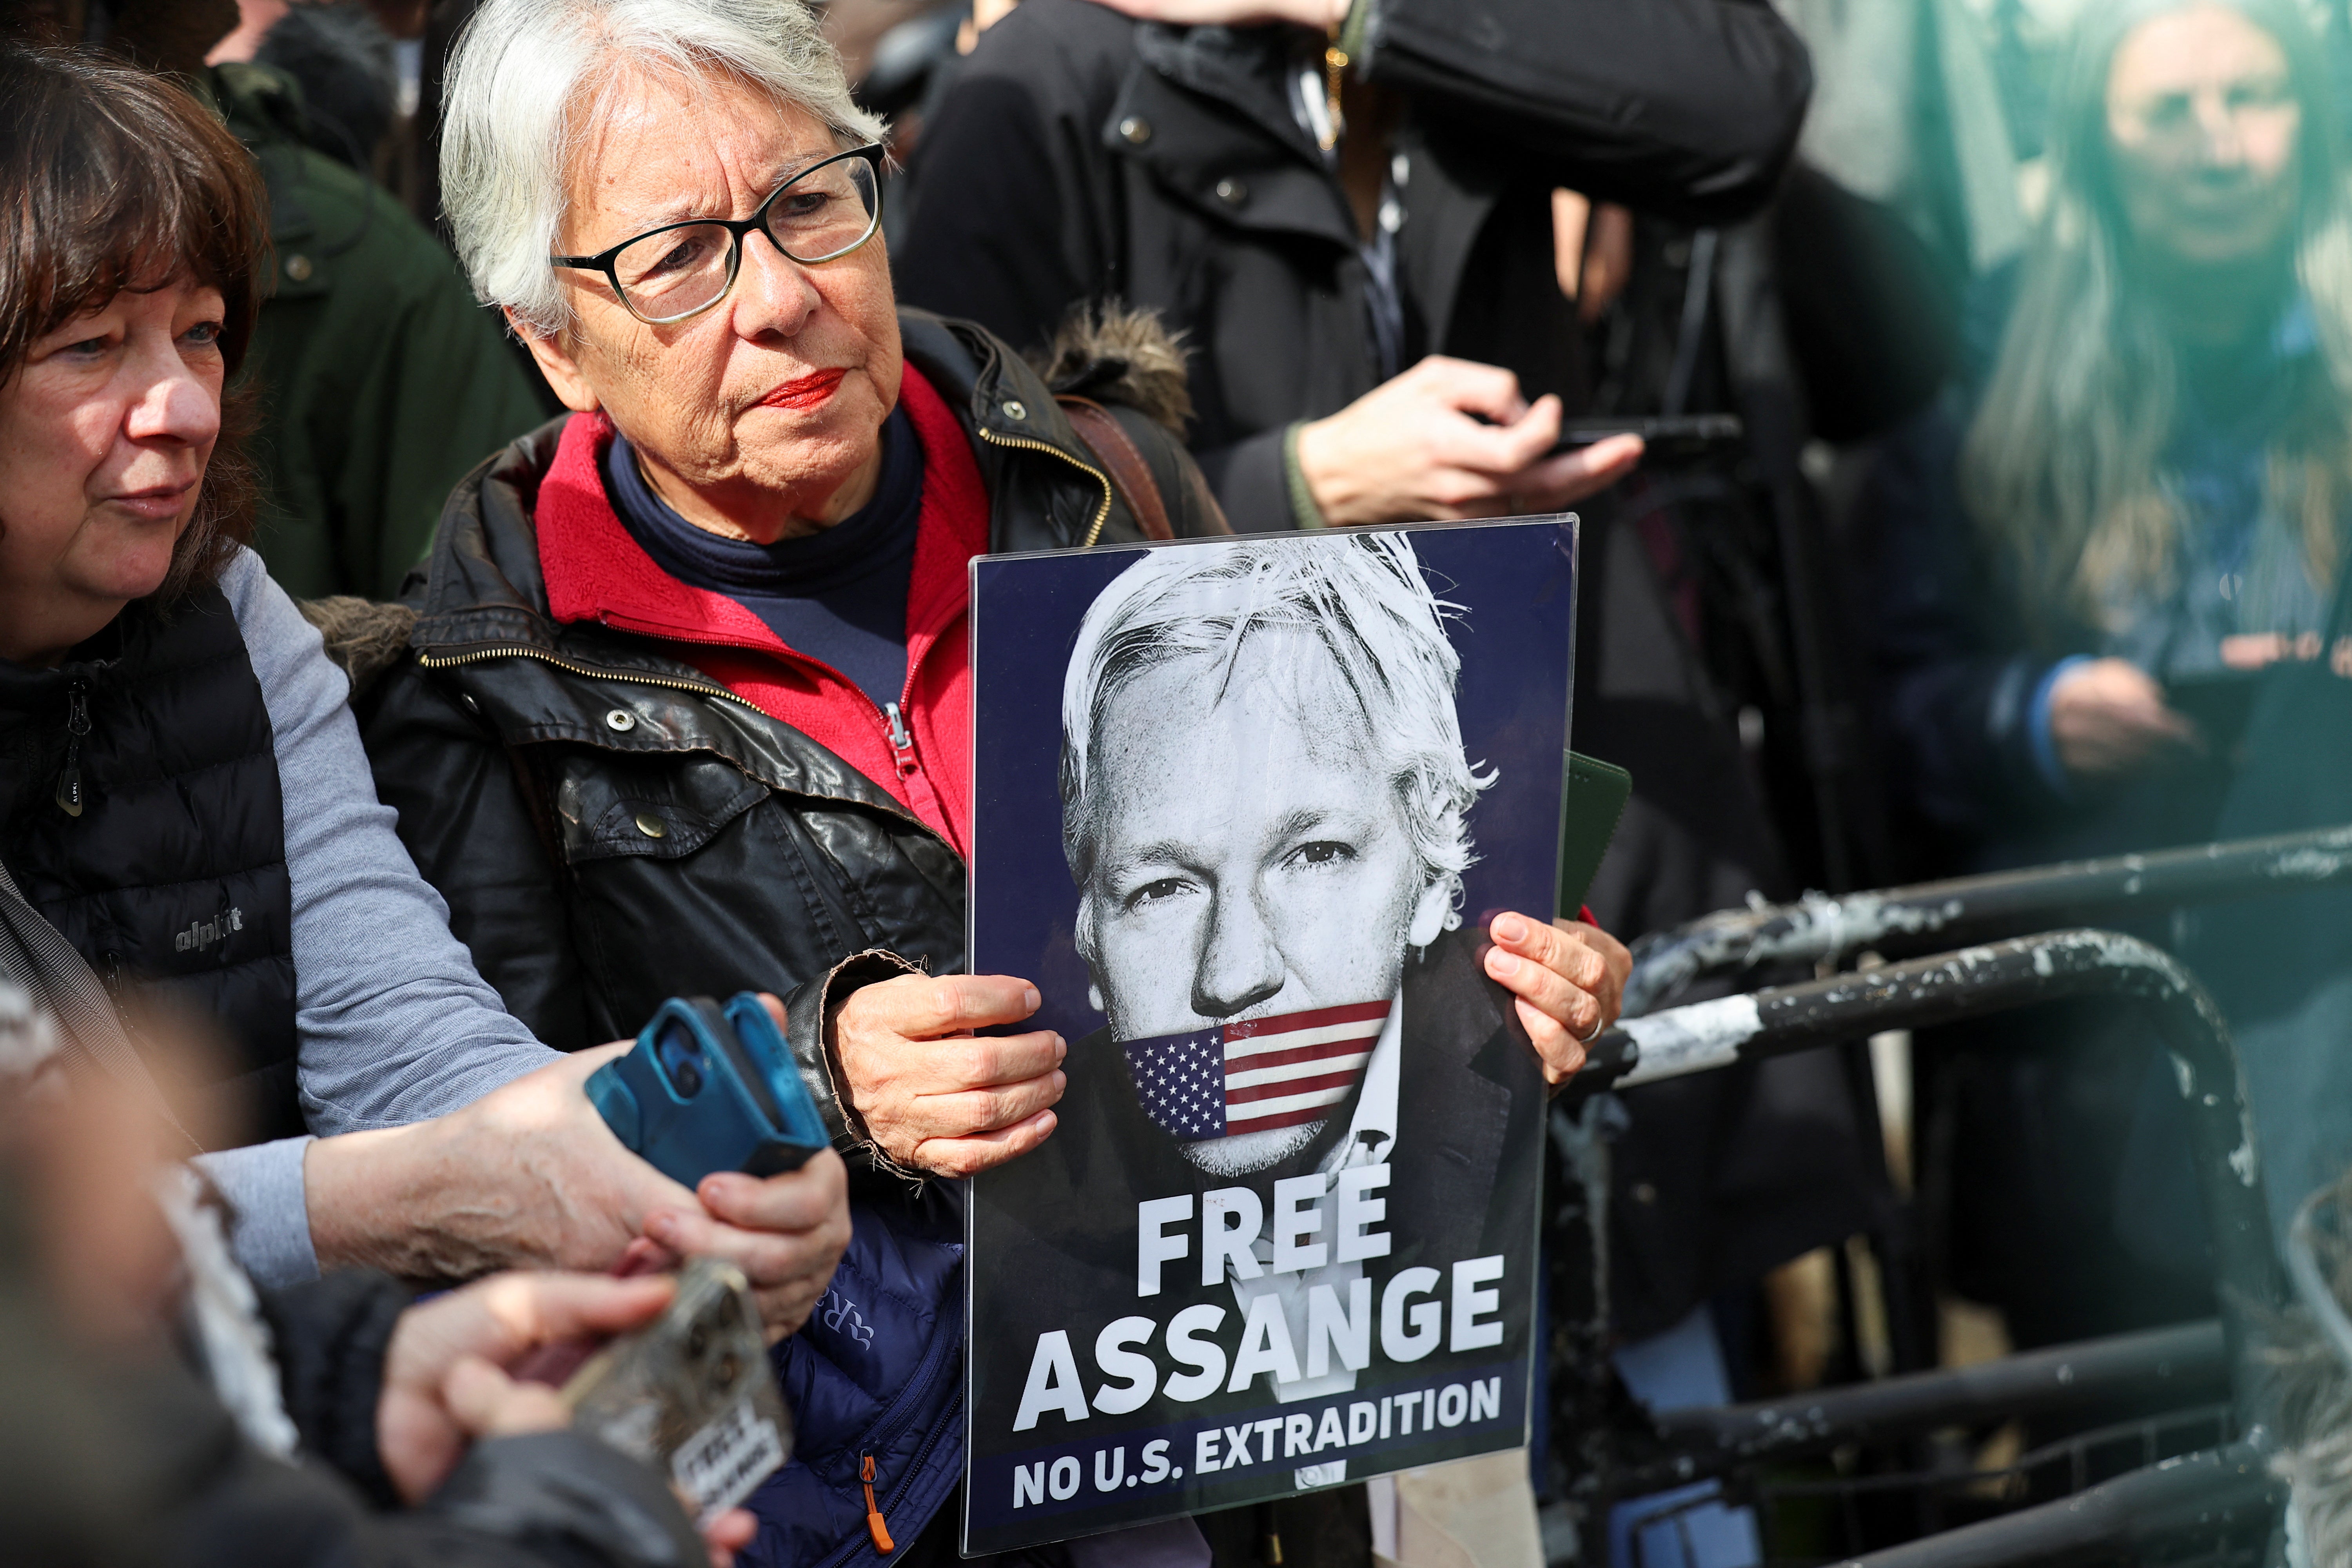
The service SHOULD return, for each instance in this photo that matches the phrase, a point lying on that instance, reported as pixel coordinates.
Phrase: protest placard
(1242, 811)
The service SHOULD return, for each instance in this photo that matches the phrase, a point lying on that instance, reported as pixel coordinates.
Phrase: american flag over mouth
(1253, 1077)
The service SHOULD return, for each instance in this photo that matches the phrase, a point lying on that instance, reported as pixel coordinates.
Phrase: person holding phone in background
(2095, 555)
(1354, 236)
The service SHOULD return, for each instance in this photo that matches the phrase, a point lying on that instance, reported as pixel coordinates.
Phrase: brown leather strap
(1130, 476)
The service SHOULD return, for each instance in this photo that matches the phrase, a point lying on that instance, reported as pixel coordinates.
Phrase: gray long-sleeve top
(395, 1025)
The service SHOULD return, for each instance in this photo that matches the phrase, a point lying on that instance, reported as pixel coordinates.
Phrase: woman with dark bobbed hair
(186, 817)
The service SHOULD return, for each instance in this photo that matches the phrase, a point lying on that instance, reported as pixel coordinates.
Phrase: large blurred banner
(1242, 811)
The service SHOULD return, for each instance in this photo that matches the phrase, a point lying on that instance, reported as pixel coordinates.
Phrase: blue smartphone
(709, 1089)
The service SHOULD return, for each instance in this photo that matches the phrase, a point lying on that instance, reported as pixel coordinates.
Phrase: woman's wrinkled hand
(934, 1095)
(785, 1233)
(530, 1175)
(1568, 980)
(584, 1201)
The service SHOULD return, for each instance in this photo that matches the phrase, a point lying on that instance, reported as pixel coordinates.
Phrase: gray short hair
(524, 92)
(1364, 599)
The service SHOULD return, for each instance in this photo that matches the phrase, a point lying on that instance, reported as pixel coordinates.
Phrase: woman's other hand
(1566, 980)
(531, 1175)
(934, 1095)
(2108, 718)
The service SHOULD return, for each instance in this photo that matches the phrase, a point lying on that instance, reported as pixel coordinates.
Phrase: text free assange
(1232, 1220)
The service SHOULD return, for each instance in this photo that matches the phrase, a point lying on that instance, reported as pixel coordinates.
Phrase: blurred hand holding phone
(691, 1394)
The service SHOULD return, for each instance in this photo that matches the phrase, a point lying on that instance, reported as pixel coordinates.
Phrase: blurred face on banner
(2203, 127)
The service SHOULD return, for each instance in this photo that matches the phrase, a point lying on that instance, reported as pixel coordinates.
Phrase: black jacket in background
(1027, 196)
(1082, 155)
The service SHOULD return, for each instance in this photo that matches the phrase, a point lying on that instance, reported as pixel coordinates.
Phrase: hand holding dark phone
(2217, 701)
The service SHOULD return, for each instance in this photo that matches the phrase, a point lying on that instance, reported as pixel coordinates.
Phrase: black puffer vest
(172, 876)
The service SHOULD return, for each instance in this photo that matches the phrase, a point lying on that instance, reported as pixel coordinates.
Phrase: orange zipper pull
(874, 1525)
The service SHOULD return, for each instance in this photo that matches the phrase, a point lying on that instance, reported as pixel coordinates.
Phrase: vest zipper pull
(77, 726)
(901, 743)
(874, 1525)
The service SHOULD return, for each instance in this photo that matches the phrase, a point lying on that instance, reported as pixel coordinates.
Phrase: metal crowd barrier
(2217, 1507)
(1999, 977)
(2188, 1363)
(1934, 915)
(2217, 1496)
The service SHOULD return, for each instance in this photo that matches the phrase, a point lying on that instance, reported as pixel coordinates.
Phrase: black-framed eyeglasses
(666, 275)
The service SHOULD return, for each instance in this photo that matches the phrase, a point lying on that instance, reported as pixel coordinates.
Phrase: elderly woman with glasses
(684, 705)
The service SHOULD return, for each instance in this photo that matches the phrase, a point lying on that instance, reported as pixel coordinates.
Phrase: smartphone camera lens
(681, 1061)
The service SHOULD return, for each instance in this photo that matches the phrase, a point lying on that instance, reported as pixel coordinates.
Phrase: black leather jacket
(781, 864)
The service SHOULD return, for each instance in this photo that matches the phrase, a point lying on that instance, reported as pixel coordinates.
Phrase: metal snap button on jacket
(652, 827)
(1233, 192)
(1014, 409)
(620, 721)
(1136, 129)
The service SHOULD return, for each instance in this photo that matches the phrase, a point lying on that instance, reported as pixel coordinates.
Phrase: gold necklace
(1335, 63)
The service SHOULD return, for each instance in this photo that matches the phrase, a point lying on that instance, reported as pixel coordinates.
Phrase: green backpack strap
(1590, 804)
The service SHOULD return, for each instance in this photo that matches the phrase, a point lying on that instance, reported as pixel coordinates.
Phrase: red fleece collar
(596, 572)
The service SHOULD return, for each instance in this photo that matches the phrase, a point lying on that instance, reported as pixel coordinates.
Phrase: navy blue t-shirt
(839, 596)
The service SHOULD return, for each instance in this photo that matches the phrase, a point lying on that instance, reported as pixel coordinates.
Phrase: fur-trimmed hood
(364, 637)
(1118, 356)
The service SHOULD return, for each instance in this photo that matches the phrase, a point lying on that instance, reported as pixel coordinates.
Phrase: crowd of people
(485, 495)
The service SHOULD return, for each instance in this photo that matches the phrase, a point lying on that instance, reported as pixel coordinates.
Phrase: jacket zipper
(930, 1441)
(70, 799)
(475, 656)
(1102, 513)
(875, 1525)
(881, 1435)
(902, 744)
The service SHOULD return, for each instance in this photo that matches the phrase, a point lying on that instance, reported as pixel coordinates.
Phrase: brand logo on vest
(202, 934)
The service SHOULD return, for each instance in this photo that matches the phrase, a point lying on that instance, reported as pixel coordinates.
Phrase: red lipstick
(804, 392)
